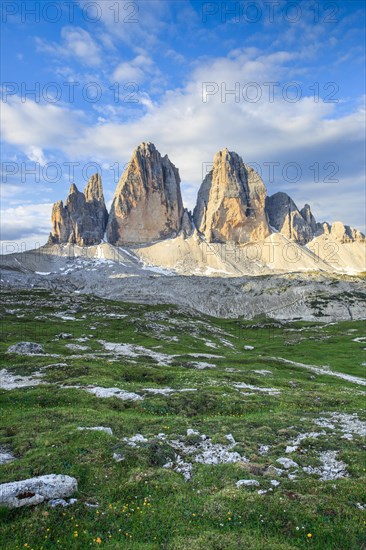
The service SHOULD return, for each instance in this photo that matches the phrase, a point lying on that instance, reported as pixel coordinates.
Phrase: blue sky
(110, 74)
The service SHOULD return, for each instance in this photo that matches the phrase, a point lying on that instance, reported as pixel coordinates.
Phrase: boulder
(24, 348)
(36, 490)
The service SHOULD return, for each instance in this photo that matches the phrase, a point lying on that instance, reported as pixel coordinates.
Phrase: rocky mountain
(147, 204)
(147, 207)
(300, 225)
(83, 218)
(231, 201)
(339, 232)
(285, 217)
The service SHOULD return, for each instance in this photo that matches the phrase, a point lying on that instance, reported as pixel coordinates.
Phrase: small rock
(91, 505)
(231, 439)
(263, 449)
(77, 347)
(248, 348)
(287, 463)
(6, 456)
(274, 482)
(24, 348)
(273, 471)
(247, 483)
(118, 457)
(61, 502)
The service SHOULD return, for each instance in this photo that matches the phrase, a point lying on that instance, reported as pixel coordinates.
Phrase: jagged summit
(308, 217)
(300, 225)
(286, 218)
(147, 204)
(230, 203)
(84, 217)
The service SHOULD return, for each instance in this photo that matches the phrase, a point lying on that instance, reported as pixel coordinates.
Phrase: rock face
(231, 201)
(187, 224)
(147, 204)
(36, 490)
(285, 217)
(84, 217)
(308, 217)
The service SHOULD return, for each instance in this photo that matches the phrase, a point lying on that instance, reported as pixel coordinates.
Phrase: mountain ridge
(232, 207)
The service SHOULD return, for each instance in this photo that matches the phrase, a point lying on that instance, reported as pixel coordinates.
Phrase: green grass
(141, 504)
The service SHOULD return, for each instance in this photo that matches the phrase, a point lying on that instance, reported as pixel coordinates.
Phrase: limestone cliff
(230, 203)
(83, 218)
(147, 204)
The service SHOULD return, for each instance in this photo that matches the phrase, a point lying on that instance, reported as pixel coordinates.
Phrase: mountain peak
(147, 204)
(230, 204)
(84, 217)
(94, 190)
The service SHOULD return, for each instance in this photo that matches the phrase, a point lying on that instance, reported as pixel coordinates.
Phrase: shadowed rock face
(230, 203)
(147, 204)
(285, 217)
(84, 217)
(308, 217)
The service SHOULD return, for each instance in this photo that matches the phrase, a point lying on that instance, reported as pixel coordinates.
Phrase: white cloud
(134, 23)
(140, 69)
(127, 72)
(36, 154)
(191, 131)
(76, 43)
(26, 224)
(32, 125)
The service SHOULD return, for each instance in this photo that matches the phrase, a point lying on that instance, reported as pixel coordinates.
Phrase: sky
(282, 83)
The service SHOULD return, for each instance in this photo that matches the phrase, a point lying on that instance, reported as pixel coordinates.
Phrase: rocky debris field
(152, 426)
(118, 274)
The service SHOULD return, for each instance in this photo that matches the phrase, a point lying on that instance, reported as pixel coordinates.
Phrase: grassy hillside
(289, 388)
